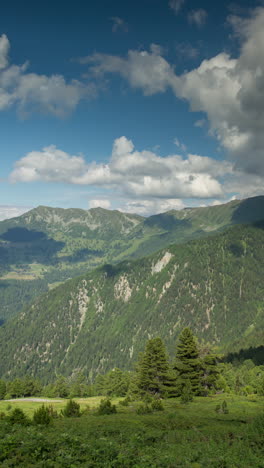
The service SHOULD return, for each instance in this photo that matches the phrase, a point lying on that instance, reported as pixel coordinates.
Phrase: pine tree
(153, 368)
(187, 363)
(210, 372)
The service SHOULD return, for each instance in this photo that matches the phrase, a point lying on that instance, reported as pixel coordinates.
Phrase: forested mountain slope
(47, 246)
(102, 319)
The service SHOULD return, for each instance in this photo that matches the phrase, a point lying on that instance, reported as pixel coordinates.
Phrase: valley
(47, 246)
(212, 285)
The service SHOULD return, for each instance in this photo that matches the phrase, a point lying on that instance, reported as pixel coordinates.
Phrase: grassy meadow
(190, 435)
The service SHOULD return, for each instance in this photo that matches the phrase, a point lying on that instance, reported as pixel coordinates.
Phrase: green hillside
(103, 318)
(47, 246)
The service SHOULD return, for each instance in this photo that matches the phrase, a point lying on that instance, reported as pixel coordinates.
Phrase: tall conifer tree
(187, 363)
(153, 367)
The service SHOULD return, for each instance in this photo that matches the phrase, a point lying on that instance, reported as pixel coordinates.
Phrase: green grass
(191, 436)
(58, 404)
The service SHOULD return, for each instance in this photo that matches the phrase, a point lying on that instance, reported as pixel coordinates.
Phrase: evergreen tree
(152, 372)
(187, 363)
(2, 389)
(210, 372)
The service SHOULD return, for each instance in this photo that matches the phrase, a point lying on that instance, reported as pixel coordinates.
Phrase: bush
(186, 394)
(17, 416)
(157, 405)
(222, 409)
(52, 412)
(144, 408)
(71, 410)
(125, 402)
(258, 424)
(106, 407)
(42, 416)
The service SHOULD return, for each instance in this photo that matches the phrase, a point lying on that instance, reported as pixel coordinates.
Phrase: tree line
(195, 370)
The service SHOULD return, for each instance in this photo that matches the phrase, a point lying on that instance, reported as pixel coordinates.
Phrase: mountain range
(46, 246)
(103, 318)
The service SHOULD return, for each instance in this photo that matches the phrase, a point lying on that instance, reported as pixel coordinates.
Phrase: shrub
(125, 402)
(144, 408)
(52, 412)
(186, 394)
(106, 407)
(17, 416)
(157, 405)
(42, 416)
(258, 424)
(71, 410)
(222, 409)
(218, 409)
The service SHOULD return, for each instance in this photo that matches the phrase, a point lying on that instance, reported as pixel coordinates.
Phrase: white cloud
(4, 49)
(49, 165)
(100, 203)
(180, 145)
(150, 207)
(118, 24)
(33, 92)
(150, 183)
(186, 50)
(176, 5)
(133, 173)
(144, 70)
(198, 17)
(228, 90)
(8, 211)
(200, 123)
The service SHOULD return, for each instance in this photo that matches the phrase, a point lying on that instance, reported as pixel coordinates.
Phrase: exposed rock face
(103, 319)
(162, 263)
(122, 289)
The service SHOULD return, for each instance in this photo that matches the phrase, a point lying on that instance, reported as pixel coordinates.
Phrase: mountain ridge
(46, 246)
(103, 318)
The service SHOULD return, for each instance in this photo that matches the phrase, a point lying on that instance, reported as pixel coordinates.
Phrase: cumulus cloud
(198, 17)
(118, 24)
(228, 90)
(134, 173)
(176, 5)
(147, 182)
(8, 211)
(48, 165)
(148, 71)
(100, 204)
(149, 207)
(33, 92)
(4, 49)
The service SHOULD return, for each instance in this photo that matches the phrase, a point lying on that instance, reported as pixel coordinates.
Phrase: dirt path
(36, 400)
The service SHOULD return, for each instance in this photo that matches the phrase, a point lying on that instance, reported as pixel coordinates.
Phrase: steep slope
(47, 246)
(102, 319)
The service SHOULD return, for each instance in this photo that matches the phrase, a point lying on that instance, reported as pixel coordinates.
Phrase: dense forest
(211, 285)
(186, 412)
(47, 246)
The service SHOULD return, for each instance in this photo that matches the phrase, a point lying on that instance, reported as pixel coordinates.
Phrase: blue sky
(143, 106)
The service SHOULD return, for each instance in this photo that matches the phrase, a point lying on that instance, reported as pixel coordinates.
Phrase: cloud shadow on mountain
(250, 210)
(24, 246)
